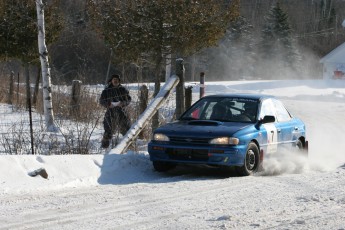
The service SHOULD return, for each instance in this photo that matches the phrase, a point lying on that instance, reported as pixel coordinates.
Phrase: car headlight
(225, 141)
(160, 137)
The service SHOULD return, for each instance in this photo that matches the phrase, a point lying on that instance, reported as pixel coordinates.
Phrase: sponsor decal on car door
(272, 138)
(267, 109)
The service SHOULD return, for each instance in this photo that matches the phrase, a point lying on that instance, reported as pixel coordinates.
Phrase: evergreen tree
(18, 29)
(278, 51)
(18, 36)
(156, 28)
(160, 28)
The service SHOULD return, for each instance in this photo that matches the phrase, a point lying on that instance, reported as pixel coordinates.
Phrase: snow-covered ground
(124, 192)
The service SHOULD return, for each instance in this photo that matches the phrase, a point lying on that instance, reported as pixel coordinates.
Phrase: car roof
(242, 95)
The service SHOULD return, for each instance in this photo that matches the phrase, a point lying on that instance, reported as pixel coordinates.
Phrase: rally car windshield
(226, 109)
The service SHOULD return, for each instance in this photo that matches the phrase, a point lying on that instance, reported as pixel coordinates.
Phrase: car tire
(251, 161)
(300, 148)
(161, 166)
(299, 145)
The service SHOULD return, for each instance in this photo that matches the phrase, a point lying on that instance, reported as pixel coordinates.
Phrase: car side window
(267, 109)
(282, 113)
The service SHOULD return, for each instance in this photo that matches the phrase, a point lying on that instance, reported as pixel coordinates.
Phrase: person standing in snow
(115, 98)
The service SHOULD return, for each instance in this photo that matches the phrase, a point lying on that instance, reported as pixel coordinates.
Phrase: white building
(334, 63)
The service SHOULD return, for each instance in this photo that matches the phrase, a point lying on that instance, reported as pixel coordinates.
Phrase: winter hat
(114, 76)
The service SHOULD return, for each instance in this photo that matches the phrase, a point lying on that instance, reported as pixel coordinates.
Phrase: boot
(105, 143)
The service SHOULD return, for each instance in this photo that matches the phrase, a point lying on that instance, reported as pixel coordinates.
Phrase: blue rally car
(235, 130)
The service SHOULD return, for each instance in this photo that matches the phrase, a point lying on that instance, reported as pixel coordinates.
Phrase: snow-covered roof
(335, 56)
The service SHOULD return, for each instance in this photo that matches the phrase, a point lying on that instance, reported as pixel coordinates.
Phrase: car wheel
(299, 145)
(300, 148)
(251, 161)
(161, 166)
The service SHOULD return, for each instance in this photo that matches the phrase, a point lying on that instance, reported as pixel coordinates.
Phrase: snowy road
(300, 201)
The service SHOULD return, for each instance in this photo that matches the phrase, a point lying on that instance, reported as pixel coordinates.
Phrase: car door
(284, 124)
(267, 109)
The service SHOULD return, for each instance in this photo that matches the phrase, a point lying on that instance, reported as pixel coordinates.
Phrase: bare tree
(43, 53)
(18, 39)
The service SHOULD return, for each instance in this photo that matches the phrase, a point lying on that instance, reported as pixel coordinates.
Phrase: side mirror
(268, 119)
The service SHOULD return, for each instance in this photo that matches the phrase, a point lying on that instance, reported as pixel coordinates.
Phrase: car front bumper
(209, 155)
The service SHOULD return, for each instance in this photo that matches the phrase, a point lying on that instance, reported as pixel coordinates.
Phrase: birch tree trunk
(43, 52)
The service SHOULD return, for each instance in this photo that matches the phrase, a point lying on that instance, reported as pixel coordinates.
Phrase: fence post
(189, 96)
(10, 94)
(202, 84)
(75, 100)
(180, 104)
(28, 104)
(18, 89)
(144, 95)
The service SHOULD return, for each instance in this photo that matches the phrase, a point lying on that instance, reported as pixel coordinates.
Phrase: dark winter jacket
(115, 94)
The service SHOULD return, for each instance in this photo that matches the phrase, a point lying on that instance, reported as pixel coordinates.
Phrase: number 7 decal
(272, 142)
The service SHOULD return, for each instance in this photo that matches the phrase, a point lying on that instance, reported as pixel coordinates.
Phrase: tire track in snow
(49, 217)
(104, 203)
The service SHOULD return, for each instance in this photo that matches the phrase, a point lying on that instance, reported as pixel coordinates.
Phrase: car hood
(201, 128)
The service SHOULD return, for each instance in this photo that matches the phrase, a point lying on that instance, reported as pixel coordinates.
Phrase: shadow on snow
(137, 168)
